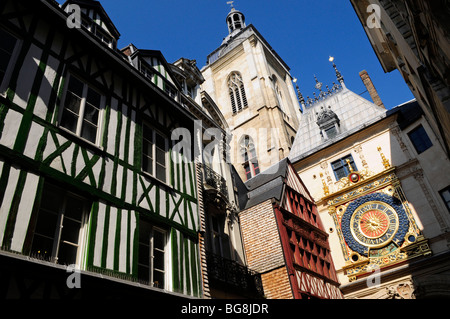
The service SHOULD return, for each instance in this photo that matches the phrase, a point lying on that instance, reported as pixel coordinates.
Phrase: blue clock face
(373, 222)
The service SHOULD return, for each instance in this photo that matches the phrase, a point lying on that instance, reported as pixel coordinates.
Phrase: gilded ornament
(384, 159)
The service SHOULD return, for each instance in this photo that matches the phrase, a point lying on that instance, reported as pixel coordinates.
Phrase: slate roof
(266, 185)
(408, 113)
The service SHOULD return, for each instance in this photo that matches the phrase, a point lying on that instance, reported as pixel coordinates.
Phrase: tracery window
(237, 92)
(248, 152)
(279, 94)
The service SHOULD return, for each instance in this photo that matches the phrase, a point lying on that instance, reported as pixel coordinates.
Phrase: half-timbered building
(284, 237)
(89, 176)
(112, 166)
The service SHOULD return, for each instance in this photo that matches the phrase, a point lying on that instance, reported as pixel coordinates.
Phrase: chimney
(371, 88)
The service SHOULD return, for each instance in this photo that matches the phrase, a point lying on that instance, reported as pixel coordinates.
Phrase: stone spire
(301, 99)
(339, 76)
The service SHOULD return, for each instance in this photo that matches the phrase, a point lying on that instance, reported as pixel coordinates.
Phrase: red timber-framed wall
(305, 243)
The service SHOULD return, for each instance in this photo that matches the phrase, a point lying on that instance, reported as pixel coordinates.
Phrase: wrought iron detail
(231, 274)
(214, 180)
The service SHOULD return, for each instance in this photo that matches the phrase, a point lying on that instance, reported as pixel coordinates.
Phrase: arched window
(279, 94)
(237, 92)
(250, 161)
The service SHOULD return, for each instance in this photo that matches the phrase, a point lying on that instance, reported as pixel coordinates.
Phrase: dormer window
(328, 123)
(146, 71)
(191, 91)
(331, 131)
(96, 20)
(97, 31)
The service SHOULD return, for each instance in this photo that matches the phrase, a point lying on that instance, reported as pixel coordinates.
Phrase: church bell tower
(235, 20)
(253, 88)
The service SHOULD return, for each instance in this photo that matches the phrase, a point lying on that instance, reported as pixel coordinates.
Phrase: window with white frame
(155, 153)
(153, 255)
(59, 230)
(237, 92)
(146, 71)
(103, 36)
(82, 110)
(8, 44)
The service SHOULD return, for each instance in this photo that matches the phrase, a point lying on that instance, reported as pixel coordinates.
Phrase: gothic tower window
(248, 152)
(237, 92)
(278, 93)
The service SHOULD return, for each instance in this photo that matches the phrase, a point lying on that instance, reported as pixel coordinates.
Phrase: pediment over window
(329, 123)
(327, 117)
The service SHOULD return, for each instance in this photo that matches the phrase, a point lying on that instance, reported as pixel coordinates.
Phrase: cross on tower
(231, 4)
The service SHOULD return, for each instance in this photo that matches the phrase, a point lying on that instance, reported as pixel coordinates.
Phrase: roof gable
(348, 110)
(155, 64)
(270, 184)
(95, 11)
(236, 38)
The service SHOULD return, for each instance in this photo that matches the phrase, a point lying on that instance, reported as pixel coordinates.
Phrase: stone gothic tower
(253, 88)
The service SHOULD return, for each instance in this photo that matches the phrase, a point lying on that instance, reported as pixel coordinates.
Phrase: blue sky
(304, 33)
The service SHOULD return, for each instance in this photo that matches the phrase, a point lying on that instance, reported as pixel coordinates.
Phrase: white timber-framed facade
(87, 145)
(92, 175)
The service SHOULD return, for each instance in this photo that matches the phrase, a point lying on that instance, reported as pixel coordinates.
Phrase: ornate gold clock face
(374, 224)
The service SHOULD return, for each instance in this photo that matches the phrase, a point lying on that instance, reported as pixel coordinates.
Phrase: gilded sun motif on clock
(374, 224)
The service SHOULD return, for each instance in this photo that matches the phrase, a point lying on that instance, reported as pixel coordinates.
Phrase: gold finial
(326, 189)
(385, 160)
(349, 166)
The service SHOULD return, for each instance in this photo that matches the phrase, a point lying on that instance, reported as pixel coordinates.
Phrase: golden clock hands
(371, 223)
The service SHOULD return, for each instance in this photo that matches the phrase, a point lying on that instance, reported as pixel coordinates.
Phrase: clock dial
(374, 224)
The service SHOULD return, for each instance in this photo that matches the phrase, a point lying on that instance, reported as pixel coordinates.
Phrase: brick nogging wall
(263, 249)
(276, 284)
(202, 248)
